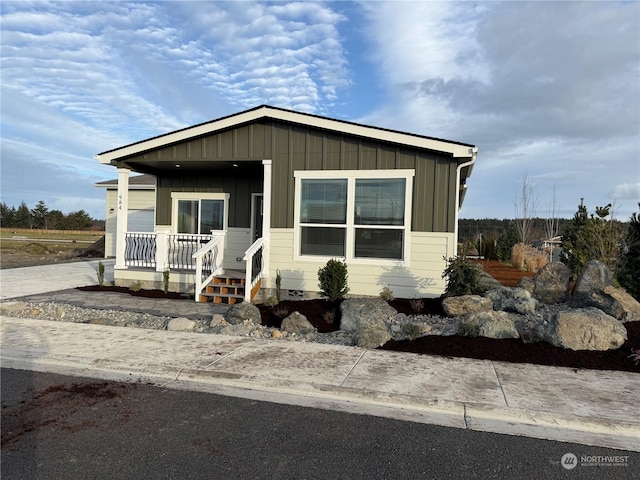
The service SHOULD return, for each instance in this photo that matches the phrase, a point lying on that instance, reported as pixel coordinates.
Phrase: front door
(256, 216)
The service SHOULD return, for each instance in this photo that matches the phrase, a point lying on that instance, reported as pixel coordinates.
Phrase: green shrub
(469, 329)
(332, 280)
(100, 273)
(412, 330)
(271, 301)
(386, 294)
(136, 286)
(463, 277)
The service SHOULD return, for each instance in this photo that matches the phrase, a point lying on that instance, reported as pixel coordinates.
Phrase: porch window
(199, 215)
(362, 216)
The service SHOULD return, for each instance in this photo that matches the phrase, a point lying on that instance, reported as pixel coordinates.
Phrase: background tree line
(40, 217)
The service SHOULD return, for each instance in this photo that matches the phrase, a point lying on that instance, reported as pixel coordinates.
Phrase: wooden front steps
(228, 288)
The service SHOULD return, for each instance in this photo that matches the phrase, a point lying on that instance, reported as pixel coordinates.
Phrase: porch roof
(456, 149)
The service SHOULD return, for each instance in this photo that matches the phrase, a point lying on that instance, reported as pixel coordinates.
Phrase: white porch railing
(163, 250)
(209, 260)
(254, 266)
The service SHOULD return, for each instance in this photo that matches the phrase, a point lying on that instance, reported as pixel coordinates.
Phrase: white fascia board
(456, 150)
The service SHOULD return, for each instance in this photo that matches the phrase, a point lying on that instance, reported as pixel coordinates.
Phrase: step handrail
(253, 266)
(209, 260)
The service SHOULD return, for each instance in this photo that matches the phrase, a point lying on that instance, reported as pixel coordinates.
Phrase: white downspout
(474, 154)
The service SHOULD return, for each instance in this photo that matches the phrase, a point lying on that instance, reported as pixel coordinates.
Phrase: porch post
(266, 216)
(121, 217)
(162, 248)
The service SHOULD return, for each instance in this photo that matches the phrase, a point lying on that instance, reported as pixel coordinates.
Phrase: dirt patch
(67, 407)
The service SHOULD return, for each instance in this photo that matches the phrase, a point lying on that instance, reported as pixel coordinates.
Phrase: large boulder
(613, 301)
(516, 300)
(585, 329)
(490, 324)
(595, 276)
(298, 324)
(242, 312)
(465, 305)
(550, 285)
(360, 313)
(372, 337)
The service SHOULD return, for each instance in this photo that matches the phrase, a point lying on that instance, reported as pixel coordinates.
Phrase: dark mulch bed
(139, 293)
(482, 348)
(507, 350)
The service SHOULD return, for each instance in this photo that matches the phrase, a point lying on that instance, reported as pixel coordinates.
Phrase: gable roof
(456, 149)
(136, 182)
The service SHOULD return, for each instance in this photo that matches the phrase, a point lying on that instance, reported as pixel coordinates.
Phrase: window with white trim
(353, 214)
(199, 213)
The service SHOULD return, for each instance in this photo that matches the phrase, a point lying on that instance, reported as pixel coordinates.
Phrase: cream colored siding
(421, 277)
(138, 200)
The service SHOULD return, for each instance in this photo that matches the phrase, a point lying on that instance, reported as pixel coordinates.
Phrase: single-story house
(141, 211)
(272, 191)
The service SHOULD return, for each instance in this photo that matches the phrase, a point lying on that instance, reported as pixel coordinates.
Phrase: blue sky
(550, 90)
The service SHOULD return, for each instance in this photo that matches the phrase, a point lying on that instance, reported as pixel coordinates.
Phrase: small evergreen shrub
(136, 286)
(100, 273)
(332, 280)
(386, 294)
(462, 276)
(469, 329)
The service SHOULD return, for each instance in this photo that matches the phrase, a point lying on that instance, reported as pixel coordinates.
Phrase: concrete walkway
(582, 406)
(18, 282)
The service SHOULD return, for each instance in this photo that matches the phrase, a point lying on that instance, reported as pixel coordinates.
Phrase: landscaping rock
(241, 312)
(615, 302)
(361, 313)
(372, 337)
(9, 309)
(241, 329)
(217, 319)
(550, 285)
(595, 276)
(490, 324)
(465, 305)
(181, 324)
(298, 324)
(586, 329)
(516, 300)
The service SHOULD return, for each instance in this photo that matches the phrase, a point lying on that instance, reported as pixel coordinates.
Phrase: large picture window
(199, 215)
(363, 215)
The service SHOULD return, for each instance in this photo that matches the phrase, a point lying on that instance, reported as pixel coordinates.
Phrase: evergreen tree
(629, 277)
(7, 215)
(594, 237)
(39, 214)
(507, 239)
(22, 217)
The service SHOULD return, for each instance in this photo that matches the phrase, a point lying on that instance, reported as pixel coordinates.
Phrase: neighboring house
(270, 190)
(142, 201)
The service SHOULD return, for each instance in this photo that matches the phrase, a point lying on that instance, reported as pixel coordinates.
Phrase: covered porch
(211, 230)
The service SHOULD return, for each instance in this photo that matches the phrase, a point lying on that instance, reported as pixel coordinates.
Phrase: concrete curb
(466, 415)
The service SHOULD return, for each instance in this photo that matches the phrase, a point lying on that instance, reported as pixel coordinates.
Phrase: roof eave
(457, 150)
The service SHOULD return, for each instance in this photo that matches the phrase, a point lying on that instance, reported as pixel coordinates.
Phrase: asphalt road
(59, 427)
